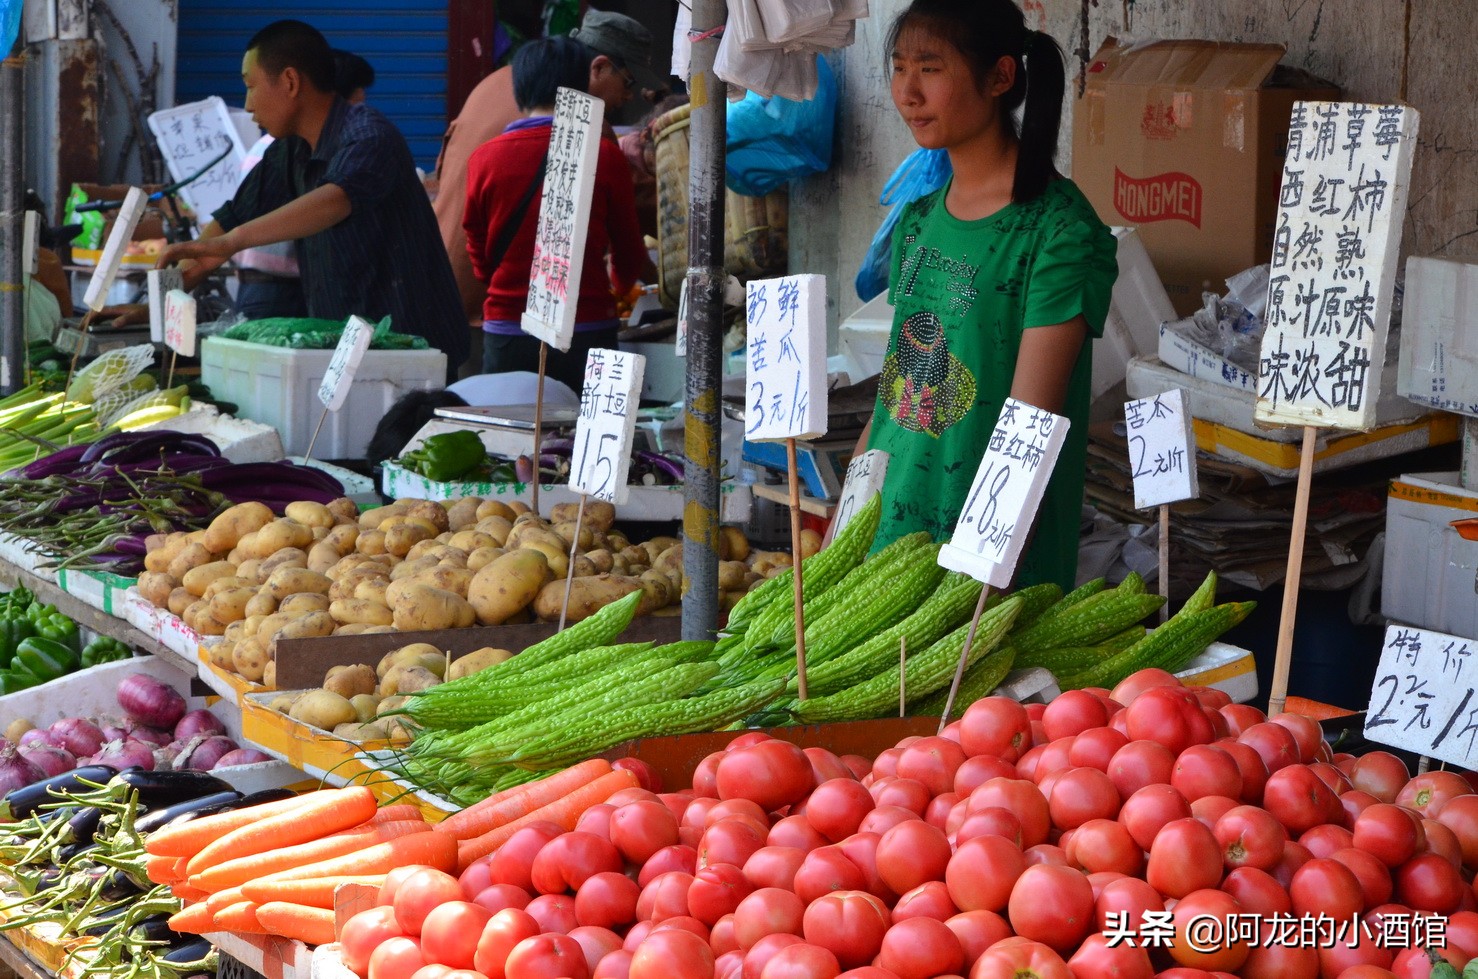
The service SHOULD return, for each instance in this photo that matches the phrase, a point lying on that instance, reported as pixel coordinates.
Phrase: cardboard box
(1439, 347)
(1185, 139)
(1430, 571)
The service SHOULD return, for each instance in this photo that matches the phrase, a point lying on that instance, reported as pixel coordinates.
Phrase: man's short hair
(287, 44)
(541, 67)
(351, 73)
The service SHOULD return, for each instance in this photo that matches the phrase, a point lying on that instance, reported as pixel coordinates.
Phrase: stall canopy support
(703, 411)
(12, 225)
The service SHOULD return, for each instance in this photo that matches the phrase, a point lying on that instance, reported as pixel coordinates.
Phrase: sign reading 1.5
(607, 424)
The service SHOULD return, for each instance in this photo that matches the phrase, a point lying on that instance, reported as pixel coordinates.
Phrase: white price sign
(1162, 449)
(129, 213)
(1333, 272)
(179, 322)
(786, 358)
(347, 355)
(30, 241)
(1006, 493)
(865, 475)
(161, 281)
(1425, 697)
(564, 217)
(607, 424)
(682, 320)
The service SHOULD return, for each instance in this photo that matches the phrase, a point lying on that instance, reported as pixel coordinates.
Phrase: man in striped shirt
(339, 179)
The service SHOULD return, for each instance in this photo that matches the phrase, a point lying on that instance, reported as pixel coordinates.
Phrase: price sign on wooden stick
(1331, 281)
(179, 327)
(161, 281)
(334, 389)
(1162, 459)
(865, 475)
(96, 296)
(1000, 508)
(786, 397)
(1425, 695)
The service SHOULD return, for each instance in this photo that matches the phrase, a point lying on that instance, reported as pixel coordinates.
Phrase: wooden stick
(539, 422)
(1279, 692)
(795, 545)
(316, 429)
(954, 687)
(173, 354)
(570, 574)
(1165, 560)
(902, 675)
(86, 330)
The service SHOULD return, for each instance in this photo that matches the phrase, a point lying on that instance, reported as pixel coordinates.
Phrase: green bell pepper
(447, 456)
(104, 649)
(46, 659)
(12, 632)
(51, 624)
(12, 681)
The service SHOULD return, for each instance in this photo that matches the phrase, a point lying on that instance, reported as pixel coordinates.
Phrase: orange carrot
(314, 926)
(164, 869)
(390, 814)
(235, 872)
(327, 811)
(188, 839)
(240, 917)
(194, 919)
(313, 892)
(565, 811)
(510, 804)
(432, 849)
(187, 893)
(224, 899)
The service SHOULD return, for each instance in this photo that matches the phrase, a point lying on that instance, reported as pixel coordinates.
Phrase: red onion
(164, 757)
(202, 753)
(52, 761)
(199, 722)
(78, 735)
(41, 735)
(150, 736)
(242, 756)
(113, 732)
(125, 754)
(16, 771)
(150, 701)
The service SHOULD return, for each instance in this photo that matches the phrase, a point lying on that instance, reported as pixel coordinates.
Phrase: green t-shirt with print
(963, 292)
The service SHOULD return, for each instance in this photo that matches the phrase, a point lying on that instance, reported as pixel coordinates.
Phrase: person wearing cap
(622, 63)
(504, 178)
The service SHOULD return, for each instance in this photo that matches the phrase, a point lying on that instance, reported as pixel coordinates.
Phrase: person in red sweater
(499, 175)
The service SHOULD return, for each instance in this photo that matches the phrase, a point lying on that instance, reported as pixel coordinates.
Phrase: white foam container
(1430, 571)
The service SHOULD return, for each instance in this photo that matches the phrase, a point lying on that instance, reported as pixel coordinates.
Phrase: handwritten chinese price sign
(607, 424)
(786, 323)
(341, 369)
(1007, 490)
(190, 137)
(179, 322)
(1162, 450)
(1335, 249)
(129, 213)
(161, 281)
(865, 475)
(564, 217)
(1425, 697)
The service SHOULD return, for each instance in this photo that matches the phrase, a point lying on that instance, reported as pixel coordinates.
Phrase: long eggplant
(103, 922)
(84, 824)
(167, 788)
(24, 801)
(187, 953)
(169, 814)
(71, 851)
(263, 795)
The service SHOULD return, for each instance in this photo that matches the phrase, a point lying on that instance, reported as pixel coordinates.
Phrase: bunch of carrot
(273, 868)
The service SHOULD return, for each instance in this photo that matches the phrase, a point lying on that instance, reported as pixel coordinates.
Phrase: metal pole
(12, 224)
(703, 411)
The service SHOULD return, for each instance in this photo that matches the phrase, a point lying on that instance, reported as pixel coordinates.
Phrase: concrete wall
(1417, 51)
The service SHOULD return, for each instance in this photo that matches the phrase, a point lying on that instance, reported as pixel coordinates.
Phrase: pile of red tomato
(1155, 830)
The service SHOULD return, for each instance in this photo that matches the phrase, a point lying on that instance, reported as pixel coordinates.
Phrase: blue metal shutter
(405, 41)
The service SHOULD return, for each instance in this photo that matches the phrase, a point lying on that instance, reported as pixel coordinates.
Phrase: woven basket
(755, 228)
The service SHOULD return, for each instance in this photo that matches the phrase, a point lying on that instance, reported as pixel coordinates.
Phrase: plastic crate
(278, 386)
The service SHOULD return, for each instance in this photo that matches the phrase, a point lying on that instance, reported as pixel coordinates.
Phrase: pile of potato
(328, 570)
(353, 701)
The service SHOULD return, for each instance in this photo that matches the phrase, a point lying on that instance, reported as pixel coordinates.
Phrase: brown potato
(269, 675)
(432, 511)
(287, 557)
(401, 537)
(470, 540)
(342, 537)
(159, 557)
(322, 556)
(670, 561)
(420, 607)
(301, 603)
(372, 589)
(583, 567)
(229, 606)
(656, 546)
(463, 513)
(179, 600)
(155, 586)
(281, 534)
(566, 532)
(311, 626)
(289, 580)
(227, 529)
(226, 584)
(498, 528)
(323, 709)
(249, 659)
(453, 579)
(191, 556)
(250, 570)
(412, 654)
(810, 543)
(587, 596)
(507, 584)
(601, 559)
(557, 555)
(220, 654)
(347, 610)
(351, 681)
(344, 510)
(409, 569)
(309, 514)
(372, 518)
(370, 541)
(407, 679)
(731, 575)
(482, 557)
(495, 508)
(733, 545)
(478, 659)
(659, 592)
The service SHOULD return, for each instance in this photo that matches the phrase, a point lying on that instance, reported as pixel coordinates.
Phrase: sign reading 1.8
(607, 424)
(786, 380)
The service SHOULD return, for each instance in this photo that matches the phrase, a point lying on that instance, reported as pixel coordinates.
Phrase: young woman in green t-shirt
(998, 280)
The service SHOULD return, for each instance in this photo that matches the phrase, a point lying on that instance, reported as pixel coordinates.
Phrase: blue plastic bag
(774, 140)
(10, 24)
(921, 172)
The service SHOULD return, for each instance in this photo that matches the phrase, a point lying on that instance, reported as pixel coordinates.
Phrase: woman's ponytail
(1041, 117)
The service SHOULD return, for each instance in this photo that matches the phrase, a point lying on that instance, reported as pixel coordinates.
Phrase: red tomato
(886, 763)
(1020, 958)
(774, 866)
(1184, 857)
(1149, 809)
(1250, 836)
(640, 829)
(1443, 841)
(1274, 743)
(1210, 808)
(597, 943)
(837, 807)
(1354, 802)
(874, 972)
(433, 971)
(1460, 815)
(665, 954)
(419, 893)
(1299, 799)
(512, 862)
(1129, 688)
(1380, 773)
(395, 958)
(929, 900)
(1127, 899)
(1052, 760)
(646, 776)
(884, 818)
(721, 939)
(1416, 963)
(826, 766)
(1073, 712)
(396, 877)
(907, 793)
(858, 764)
(496, 897)
(503, 931)
(921, 948)
(736, 807)
(683, 922)
(607, 899)
(767, 911)
(773, 773)
(910, 854)
(450, 933)
(1389, 832)
(982, 872)
(1324, 886)
(1295, 855)
(1045, 853)
(554, 912)
(1307, 734)
(932, 761)
(1123, 960)
(669, 858)
(733, 840)
(1081, 794)
(364, 932)
(995, 726)
(824, 870)
(596, 820)
(1105, 845)
(1331, 776)
(1428, 882)
(862, 850)
(1206, 769)
(938, 812)
(849, 924)
(716, 891)
(1257, 891)
(1023, 799)
(1462, 930)
(632, 794)
(1375, 880)
(1325, 838)
(665, 897)
(989, 821)
(1280, 961)
(1250, 766)
(1168, 715)
(474, 880)
(1347, 951)
(1053, 905)
(1095, 748)
(798, 832)
(547, 957)
(977, 931)
(566, 862)
(1026, 765)
(980, 769)
(728, 965)
(1240, 717)
(695, 813)
(763, 951)
(802, 961)
(1138, 764)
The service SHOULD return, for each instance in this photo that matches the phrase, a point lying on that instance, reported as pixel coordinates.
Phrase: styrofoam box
(1189, 357)
(1430, 571)
(279, 387)
(1138, 306)
(1228, 668)
(1439, 348)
